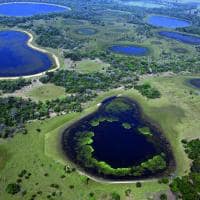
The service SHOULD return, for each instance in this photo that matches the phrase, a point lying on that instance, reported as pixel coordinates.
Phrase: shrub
(128, 192)
(71, 186)
(165, 180)
(163, 197)
(13, 188)
(138, 185)
(22, 173)
(115, 196)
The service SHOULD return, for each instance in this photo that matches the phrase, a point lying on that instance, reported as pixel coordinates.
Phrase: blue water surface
(167, 22)
(181, 37)
(129, 50)
(17, 58)
(29, 9)
(195, 82)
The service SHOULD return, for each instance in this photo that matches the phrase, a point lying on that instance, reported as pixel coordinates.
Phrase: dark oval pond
(17, 58)
(185, 38)
(129, 50)
(25, 9)
(167, 22)
(195, 82)
(115, 142)
(86, 31)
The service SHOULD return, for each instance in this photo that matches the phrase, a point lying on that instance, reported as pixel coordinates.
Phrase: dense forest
(9, 86)
(188, 187)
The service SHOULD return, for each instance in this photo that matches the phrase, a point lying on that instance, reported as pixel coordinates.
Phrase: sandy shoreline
(51, 4)
(29, 43)
(102, 180)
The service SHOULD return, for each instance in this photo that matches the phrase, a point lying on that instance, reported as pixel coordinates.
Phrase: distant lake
(26, 9)
(129, 50)
(195, 82)
(86, 31)
(17, 58)
(181, 37)
(143, 4)
(168, 22)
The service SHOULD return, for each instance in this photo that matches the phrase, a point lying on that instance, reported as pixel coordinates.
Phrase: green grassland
(39, 152)
(46, 92)
(90, 66)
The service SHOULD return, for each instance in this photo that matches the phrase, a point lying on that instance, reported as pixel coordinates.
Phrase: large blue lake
(181, 37)
(29, 9)
(167, 22)
(129, 50)
(17, 58)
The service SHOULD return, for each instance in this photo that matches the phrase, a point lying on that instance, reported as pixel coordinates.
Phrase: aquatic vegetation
(126, 125)
(145, 131)
(108, 142)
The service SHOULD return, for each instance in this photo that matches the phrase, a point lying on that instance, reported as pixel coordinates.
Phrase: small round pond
(167, 22)
(25, 9)
(86, 31)
(116, 143)
(18, 58)
(181, 37)
(195, 82)
(129, 50)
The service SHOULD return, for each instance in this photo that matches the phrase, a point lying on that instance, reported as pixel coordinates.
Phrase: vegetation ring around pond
(116, 143)
(86, 31)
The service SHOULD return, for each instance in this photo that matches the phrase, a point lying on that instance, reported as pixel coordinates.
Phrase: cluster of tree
(50, 36)
(80, 87)
(148, 91)
(16, 111)
(188, 187)
(84, 155)
(13, 188)
(137, 64)
(9, 86)
(74, 82)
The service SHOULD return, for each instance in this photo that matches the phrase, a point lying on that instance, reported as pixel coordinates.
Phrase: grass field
(90, 66)
(177, 112)
(46, 92)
